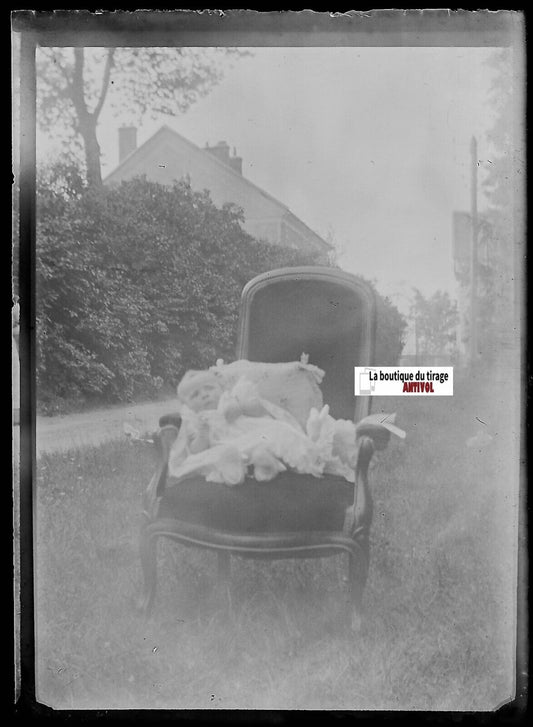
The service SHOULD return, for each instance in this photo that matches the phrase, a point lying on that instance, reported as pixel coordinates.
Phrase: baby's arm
(243, 400)
(253, 408)
(199, 436)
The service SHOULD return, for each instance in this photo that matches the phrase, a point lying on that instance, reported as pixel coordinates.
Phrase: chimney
(236, 162)
(127, 142)
(221, 152)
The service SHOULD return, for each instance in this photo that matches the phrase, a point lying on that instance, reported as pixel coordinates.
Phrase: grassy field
(439, 626)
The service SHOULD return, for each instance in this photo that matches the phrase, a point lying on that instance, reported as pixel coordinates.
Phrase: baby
(228, 431)
(224, 433)
(199, 391)
(210, 407)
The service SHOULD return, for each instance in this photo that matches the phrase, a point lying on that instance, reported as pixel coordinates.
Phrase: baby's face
(203, 396)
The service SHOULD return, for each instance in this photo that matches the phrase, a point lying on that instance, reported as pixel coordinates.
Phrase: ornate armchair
(330, 316)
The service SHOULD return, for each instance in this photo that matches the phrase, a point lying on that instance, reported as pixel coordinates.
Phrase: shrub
(136, 284)
(390, 325)
(139, 282)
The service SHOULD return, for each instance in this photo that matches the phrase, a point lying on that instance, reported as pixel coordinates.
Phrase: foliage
(498, 186)
(390, 326)
(500, 227)
(138, 283)
(436, 320)
(74, 84)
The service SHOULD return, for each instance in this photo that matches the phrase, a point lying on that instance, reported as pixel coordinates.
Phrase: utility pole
(474, 260)
(417, 347)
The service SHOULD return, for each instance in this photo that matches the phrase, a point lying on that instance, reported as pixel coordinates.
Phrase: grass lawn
(440, 599)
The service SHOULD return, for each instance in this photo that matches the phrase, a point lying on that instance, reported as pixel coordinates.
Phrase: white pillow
(294, 386)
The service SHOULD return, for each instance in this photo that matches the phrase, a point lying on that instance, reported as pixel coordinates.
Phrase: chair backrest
(320, 311)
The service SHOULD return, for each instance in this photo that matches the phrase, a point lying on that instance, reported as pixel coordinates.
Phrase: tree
(498, 185)
(391, 326)
(75, 83)
(498, 231)
(435, 320)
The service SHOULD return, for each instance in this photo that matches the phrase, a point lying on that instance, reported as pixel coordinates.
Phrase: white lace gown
(262, 446)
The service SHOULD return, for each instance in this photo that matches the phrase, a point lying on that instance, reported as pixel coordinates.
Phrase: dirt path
(60, 433)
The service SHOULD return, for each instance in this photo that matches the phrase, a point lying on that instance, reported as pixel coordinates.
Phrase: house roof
(167, 133)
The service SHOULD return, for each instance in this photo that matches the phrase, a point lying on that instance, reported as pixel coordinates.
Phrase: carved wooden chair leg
(357, 575)
(224, 580)
(148, 552)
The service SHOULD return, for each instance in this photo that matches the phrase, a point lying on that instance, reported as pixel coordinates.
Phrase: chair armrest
(379, 427)
(359, 515)
(173, 418)
(163, 441)
(377, 433)
(372, 433)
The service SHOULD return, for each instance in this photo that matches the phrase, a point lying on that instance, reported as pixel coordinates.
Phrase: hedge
(137, 283)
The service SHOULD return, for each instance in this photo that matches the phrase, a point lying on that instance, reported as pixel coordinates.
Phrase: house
(167, 156)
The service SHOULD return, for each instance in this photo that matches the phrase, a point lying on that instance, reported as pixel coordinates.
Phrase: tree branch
(78, 97)
(56, 60)
(105, 82)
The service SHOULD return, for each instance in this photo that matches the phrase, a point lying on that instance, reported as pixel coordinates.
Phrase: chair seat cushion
(288, 503)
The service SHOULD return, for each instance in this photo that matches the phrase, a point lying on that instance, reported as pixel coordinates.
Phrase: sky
(370, 147)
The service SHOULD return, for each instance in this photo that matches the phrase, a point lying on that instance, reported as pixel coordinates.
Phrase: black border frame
(238, 28)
